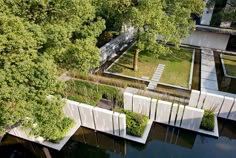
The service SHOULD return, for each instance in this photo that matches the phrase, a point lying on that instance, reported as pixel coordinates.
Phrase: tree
(35, 37)
(169, 19)
(226, 14)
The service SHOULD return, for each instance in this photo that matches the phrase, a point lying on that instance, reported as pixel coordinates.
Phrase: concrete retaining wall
(223, 106)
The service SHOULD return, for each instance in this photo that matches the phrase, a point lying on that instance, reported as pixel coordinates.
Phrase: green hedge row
(135, 123)
(91, 93)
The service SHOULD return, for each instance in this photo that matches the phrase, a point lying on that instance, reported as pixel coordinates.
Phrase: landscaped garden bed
(135, 123)
(176, 71)
(91, 93)
(229, 65)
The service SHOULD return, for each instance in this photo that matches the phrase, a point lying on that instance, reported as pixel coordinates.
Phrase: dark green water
(163, 141)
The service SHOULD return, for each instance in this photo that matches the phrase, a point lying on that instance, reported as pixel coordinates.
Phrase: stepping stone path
(156, 77)
(208, 71)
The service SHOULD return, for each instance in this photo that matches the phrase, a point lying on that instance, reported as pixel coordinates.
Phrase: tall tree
(169, 19)
(35, 35)
(226, 14)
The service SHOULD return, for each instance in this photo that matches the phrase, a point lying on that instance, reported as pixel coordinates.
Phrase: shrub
(108, 81)
(208, 120)
(135, 123)
(91, 93)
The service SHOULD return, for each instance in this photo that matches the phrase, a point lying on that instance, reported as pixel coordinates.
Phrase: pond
(164, 141)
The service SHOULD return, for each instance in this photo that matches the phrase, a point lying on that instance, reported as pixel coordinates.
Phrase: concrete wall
(83, 115)
(109, 50)
(223, 106)
(207, 39)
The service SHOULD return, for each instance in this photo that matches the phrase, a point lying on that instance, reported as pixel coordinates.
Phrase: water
(163, 141)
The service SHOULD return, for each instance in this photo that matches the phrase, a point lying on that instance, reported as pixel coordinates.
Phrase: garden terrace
(91, 93)
(176, 71)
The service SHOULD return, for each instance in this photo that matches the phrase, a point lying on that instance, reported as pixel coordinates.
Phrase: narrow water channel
(163, 141)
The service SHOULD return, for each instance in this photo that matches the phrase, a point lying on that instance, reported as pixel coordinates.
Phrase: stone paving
(156, 77)
(208, 71)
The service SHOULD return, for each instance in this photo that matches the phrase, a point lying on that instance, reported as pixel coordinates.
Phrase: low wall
(83, 115)
(167, 113)
(109, 49)
(223, 106)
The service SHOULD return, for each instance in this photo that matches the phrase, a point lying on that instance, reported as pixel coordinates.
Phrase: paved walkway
(156, 77)
(208, 71)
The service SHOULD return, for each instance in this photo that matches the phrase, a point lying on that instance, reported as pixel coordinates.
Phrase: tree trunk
(135, 62)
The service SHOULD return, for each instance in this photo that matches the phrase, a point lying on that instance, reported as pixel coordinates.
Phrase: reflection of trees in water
(172, 135)
(18, 148)
(100, 140)
(227, 128)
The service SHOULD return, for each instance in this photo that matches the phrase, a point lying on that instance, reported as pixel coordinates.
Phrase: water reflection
(163, 141)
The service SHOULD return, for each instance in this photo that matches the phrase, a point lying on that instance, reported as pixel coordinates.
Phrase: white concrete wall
(173, 114)
(201, 99)
(87, 119)
(103, 120)
(163, 111)
(122, 121)
(207, 39)
(153, 109)
(116, 123)
(141, 105)
(192, 118)
(179, 115)
(226, 107)
(232, 115)
(128, 101)
(193, 101)
(71, 110)
(213, 101)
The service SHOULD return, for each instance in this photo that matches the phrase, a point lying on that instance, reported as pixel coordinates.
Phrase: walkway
(156, 77)
(208, 71)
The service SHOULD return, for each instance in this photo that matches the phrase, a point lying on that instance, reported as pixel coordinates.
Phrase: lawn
(230, 64)
(176, 72)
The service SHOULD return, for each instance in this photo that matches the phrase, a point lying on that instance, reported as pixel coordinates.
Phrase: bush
(208, 120)
(135, 123)
(90, 93)
(108, 81)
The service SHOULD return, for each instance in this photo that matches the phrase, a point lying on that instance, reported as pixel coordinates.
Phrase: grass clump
(91, 93)
(135, 123)
(208, 120)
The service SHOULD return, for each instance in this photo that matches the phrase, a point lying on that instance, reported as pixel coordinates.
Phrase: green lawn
(230, 64)
(176, 72)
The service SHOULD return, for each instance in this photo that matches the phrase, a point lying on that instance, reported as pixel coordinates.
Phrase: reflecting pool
(163, 141)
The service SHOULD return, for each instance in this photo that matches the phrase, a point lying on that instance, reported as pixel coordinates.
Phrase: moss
(208, 120)
(135, 123)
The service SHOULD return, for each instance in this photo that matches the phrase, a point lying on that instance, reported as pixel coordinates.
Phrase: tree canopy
(36, 36)
(169, 19)
(223, 14)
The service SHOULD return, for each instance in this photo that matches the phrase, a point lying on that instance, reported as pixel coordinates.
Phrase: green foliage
(35, 35)
(135, 123)
(108, 80)
(221, 13)
(105, 37)
(170, 19)
(208, 120)
(90, 93)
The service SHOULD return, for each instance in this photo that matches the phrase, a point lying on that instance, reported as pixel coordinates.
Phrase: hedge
(91, 93)
(135, 123)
